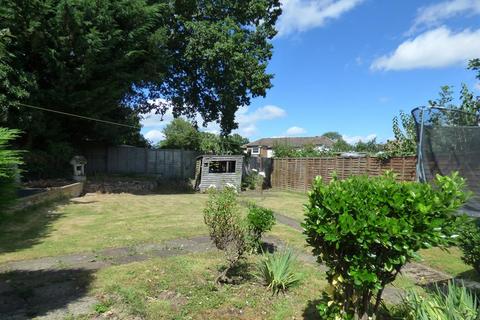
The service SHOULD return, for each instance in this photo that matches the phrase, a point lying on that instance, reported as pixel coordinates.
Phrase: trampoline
(449, 140)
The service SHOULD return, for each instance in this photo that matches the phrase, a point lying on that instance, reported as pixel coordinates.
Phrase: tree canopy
(113, 59)
(181, 134)
(9, 162)
(333, 135)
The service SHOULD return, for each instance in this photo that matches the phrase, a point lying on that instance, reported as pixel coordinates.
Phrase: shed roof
(292, 141)
(221, 156)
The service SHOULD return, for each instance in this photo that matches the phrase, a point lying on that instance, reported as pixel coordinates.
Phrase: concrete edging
(68, 191)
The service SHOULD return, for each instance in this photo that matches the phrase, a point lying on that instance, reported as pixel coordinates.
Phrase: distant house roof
(292, 141)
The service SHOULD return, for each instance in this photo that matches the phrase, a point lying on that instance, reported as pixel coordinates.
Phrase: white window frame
(258, 150)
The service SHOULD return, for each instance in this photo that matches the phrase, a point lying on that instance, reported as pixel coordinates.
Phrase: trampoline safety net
(449, 140)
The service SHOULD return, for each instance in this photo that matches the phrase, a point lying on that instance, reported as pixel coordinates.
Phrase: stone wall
(68, 191)
(122, 186)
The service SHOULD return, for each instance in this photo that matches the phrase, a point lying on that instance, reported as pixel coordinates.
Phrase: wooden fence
(170, 164)
(297, 174)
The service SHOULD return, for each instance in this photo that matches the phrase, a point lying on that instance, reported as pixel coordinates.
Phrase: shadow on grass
(241, 273)
(174, 187)
(469, 275)
(29, 294)
(310, 312)
(25, 228)
(267, 247)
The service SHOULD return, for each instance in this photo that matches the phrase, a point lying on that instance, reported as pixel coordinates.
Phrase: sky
(351, 65)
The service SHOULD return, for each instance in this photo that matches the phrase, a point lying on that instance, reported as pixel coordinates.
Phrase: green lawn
(290, 204)
(99, 221)
(176, 287)
(449, 261)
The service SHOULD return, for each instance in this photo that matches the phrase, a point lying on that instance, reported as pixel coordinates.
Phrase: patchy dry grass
(449, 261)
(154, 290)
(290, 236)
(287, 203)
(99, 221)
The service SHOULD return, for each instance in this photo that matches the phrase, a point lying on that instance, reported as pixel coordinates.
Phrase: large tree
(181, 134)
(110, 59)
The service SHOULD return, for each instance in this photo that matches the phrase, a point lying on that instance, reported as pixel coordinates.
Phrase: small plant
(259, 221)
(366, 229)
(226, 227)
(101, 308)
(251, 180)
(469, 242)
(277, 270)
(455, 302)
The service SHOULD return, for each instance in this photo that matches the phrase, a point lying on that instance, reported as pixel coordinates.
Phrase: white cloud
(477, 86)
(152, 119)
(383, 99)
(154, 136)
(248, 130)
(436, 48)
(302, 15)
(355, 139)
(247, 121)
(434, 14)
(267, 112)
(293, 131)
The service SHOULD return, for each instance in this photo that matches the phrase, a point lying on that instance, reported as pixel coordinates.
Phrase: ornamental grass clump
(454, 302)
(226, 227)
(277, 270)
(366, 229)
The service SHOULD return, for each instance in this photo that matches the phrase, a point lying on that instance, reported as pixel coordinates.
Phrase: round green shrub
(259, 221)
(365, 229)
(469, 242)
(251, 180)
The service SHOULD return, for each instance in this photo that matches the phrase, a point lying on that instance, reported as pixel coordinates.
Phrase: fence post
(146, 160)
(305, 178)
(182, 163)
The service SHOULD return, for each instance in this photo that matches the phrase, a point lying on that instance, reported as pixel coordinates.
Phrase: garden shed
(218, 171)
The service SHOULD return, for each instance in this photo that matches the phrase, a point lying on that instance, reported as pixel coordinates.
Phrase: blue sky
(351, 65)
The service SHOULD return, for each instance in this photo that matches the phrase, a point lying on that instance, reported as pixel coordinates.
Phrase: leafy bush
(226, 228)
(285, 150)
(251, 180)
(9, 161)
(54, 162)
(469, 242)
(277, 270)
(259, 221)
(365, 229)
(405, 143)
(455, 302)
